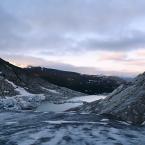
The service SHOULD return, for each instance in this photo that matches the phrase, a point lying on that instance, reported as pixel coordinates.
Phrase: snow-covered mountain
(20, 90)
(126, 103)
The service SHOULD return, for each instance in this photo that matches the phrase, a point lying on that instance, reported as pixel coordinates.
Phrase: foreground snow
(29, 128)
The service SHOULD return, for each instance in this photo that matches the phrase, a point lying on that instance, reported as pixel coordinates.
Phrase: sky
(87, 36)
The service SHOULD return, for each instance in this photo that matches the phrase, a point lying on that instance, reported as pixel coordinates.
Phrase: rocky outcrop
(125, 103)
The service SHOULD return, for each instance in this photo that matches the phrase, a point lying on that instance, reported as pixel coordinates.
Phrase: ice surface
(68, 104)
(48, 107)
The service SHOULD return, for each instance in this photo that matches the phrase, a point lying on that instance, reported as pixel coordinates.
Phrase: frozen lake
(71, 103)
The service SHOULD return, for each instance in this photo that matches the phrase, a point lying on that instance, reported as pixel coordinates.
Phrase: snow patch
(24, 100)
(90, 98)
(19, 89)
(10, 122)
(68, 122)
(50, 90)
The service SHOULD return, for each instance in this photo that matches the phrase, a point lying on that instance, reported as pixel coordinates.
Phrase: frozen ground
(33, 128)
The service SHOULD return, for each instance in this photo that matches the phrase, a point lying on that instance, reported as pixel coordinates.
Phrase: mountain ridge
(89, 84)
(21, 90)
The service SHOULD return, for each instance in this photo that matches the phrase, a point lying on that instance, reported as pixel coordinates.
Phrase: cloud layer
(69, 31)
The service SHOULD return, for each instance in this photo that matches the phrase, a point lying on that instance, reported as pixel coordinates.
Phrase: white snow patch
(21, 90)
(10, 123)
(104, 120)
(68, 122)
(90, 98)
(50, 90)
(24, 100)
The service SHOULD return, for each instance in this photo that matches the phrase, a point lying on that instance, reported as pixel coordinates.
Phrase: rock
(126, 103)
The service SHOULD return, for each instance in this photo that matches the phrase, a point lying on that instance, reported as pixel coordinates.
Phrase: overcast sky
(87, 36)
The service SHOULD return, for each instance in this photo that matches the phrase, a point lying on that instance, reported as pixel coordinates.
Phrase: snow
(11, 123)
(90, 98)
(11, 83)
(68, 122)
(24, 100)
(22, 91)
(50, 90)
(21, 102)
(143, 123)
(105, 120)
(19, 89)
(70, 103)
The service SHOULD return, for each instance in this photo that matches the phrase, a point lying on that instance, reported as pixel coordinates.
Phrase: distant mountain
(126, 103)
(89, 84)
(21, 90)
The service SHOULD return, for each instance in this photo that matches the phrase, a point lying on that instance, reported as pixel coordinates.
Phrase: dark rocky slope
(89, 84)
(127, 102)
(19, 87)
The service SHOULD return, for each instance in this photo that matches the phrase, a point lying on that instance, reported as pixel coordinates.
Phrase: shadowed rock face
(89, 84)
(127, 102)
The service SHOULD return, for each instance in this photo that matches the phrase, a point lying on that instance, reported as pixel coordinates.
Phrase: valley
(34, 111)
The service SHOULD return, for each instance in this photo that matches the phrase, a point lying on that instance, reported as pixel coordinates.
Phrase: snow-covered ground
(31, 128)
(24, 100)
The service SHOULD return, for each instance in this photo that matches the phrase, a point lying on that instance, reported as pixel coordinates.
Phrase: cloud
(10, 30)
(132, 40)
(44, 25)
(68, 29)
